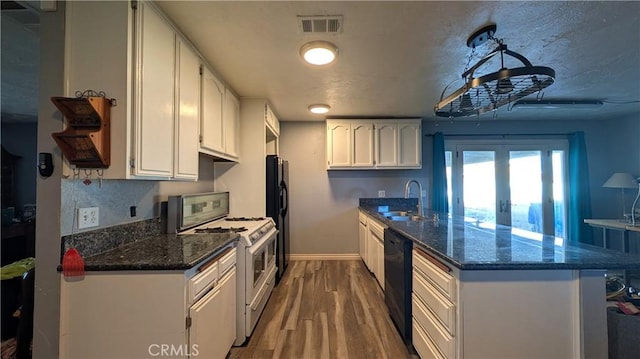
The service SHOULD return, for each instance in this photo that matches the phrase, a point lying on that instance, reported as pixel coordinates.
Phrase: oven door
(260, 259)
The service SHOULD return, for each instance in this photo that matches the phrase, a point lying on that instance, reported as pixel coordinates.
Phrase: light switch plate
(382, 193)
(88, 217)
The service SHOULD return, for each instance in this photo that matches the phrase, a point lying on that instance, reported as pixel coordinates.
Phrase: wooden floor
(325, 309)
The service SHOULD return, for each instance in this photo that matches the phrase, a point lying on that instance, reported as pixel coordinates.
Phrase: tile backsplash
(113, 198)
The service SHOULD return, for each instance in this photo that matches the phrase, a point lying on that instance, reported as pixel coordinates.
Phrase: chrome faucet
(406, 193)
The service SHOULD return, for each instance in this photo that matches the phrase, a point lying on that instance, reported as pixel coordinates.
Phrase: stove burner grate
(220, 230)
(245, 219)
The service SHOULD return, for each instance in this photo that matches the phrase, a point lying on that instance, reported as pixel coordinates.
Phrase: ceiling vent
(326, 24)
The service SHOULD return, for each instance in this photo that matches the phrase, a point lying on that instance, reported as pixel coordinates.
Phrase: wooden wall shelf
(86, 142)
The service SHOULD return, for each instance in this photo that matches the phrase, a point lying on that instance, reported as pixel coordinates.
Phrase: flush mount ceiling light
(319, 52)
(319, 108)
(489, 92)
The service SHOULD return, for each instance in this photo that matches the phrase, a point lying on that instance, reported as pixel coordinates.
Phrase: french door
(518, 184)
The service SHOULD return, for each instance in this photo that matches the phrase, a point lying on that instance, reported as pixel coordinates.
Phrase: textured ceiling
(395, 57)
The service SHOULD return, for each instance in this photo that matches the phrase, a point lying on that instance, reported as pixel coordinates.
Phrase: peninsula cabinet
(374, 144)
(133, 53)
(504, 313)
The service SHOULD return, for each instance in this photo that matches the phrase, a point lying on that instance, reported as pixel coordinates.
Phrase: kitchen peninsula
(489, 293)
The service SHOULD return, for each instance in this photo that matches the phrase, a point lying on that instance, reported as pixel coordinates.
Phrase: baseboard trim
(324, 257)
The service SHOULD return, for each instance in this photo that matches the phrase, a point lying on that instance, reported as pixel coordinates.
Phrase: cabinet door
(410, 144)
(155, 113)
(362, 241)
(338, 144)
(380, 274)
(231, 124)
(213, 320)
(362, 133)
(188, 120)
(272, 122)
(386, 144)
(211, 128)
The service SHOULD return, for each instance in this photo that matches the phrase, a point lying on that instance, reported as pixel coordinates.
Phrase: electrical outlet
(88, 217)
(424, 193)
(382, 193)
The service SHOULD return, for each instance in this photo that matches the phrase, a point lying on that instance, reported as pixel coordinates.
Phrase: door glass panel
(448, 164)
(557, 159)
(479, 187)
(525, 181)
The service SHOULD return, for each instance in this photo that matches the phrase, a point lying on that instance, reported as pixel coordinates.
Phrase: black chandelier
(489, 92)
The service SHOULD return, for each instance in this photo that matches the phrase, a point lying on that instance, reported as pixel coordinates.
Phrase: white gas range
(256, 264)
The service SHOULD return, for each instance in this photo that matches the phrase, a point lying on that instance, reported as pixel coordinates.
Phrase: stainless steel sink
(395, 213)
(406, 218)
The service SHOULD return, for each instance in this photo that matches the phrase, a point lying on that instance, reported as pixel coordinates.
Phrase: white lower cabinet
(362, 236)
(143, 314)
(214, 305)
(375, 249)
(432, 307)
(505, 313)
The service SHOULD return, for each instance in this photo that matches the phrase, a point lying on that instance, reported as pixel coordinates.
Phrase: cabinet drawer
(440, 306)
(362, 218)
(227, 261)
(423, 345)
(440, 337)
(442, 280)
(201, 282)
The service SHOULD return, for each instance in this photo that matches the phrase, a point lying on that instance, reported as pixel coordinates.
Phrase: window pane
(448, 159)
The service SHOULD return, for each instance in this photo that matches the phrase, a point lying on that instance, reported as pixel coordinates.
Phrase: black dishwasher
(397, 281)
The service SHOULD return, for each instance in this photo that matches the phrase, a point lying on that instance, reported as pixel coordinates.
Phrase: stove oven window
(259, 265)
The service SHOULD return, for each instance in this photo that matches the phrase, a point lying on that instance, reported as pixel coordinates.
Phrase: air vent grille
(321, 24)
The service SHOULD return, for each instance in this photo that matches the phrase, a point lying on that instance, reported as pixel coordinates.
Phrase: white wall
(323, 204)
(47, 279)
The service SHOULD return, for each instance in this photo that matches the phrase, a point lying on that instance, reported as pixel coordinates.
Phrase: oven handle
(262, 292)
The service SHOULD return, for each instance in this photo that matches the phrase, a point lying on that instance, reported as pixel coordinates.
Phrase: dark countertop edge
(154, 266)
(497, 266)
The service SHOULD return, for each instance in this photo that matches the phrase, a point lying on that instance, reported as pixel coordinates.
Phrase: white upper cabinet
(386, 144)
(374, 144)
(410, 144)
(212, 131)
(155, 94)
(188, 120)
(144, 64)
(220, 122)
(339, 145)
(362, 135)
(231, 124)
(272, 122)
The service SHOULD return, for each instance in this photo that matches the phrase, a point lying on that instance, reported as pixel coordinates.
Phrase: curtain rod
(503, 135)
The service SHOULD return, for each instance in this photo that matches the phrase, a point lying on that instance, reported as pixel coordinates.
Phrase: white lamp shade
(621, 180)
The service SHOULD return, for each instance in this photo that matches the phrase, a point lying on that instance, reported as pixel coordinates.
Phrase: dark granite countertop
(161, 252)
(468, 247)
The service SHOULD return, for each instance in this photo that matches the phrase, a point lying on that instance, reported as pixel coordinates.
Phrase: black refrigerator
(278, 208)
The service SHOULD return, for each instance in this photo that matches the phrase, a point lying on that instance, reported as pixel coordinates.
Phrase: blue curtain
(579, 191)
(439, 201)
